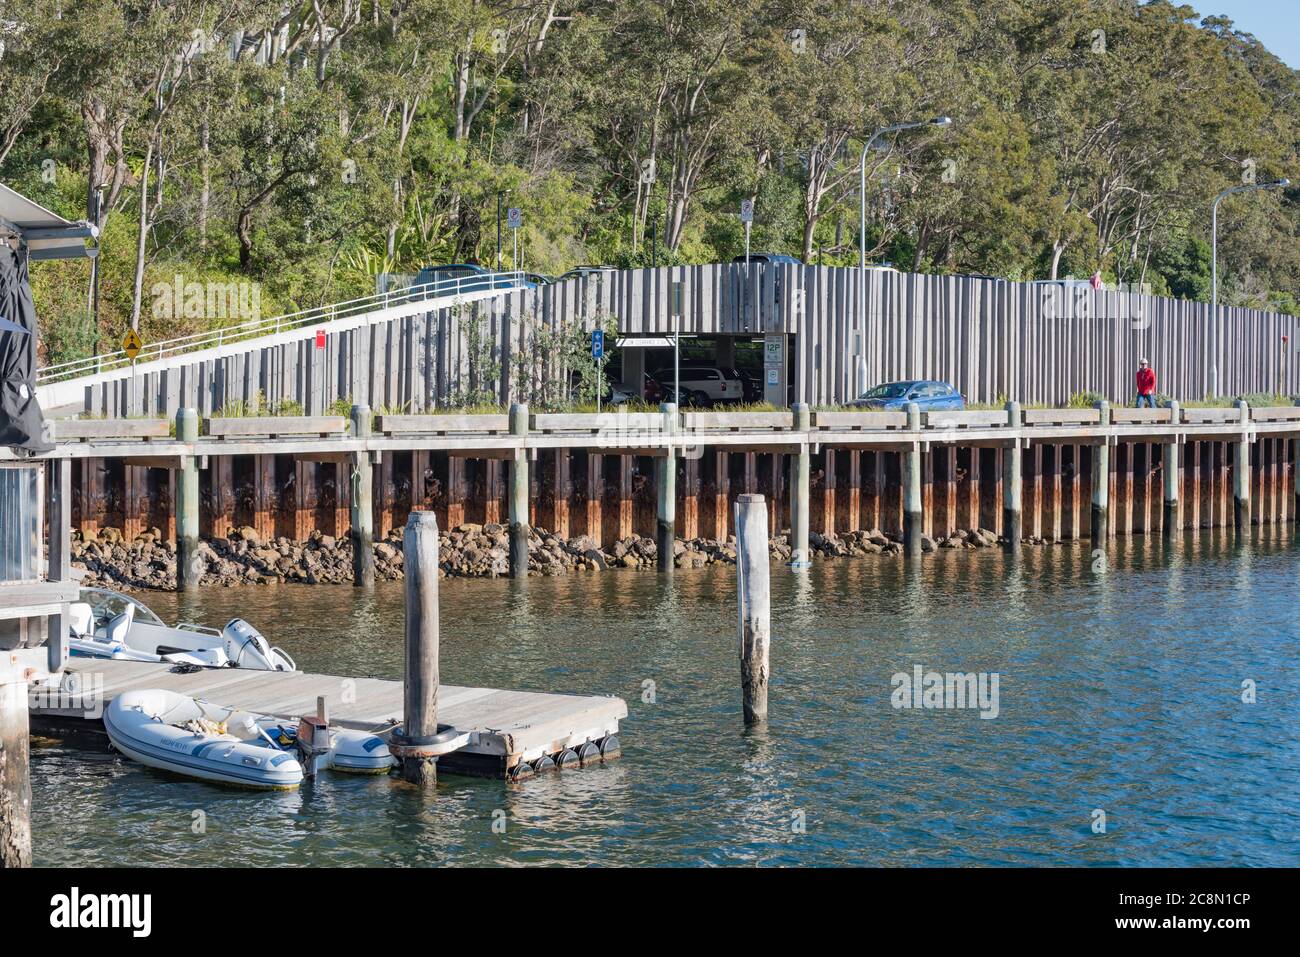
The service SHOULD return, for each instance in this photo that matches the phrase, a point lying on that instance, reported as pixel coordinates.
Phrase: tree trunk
(138, 288)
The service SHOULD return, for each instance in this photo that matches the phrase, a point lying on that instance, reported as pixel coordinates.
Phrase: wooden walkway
(505, 727)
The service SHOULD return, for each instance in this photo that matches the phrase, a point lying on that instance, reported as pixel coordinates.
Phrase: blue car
(462, 277)
(929, 394)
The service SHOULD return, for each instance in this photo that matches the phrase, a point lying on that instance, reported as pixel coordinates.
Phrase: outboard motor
(246, 648)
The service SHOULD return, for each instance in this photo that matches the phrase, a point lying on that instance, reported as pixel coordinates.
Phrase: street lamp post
(1214, 273)
(862, 240)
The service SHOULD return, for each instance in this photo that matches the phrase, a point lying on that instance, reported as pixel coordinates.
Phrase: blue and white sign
(598, 344)
(514, 217)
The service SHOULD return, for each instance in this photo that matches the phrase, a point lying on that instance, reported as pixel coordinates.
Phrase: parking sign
(514, 217)
(746, 210)
(598, 344)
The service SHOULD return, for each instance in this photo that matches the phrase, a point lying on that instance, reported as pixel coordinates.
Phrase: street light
(862, 237)
(1214, 272)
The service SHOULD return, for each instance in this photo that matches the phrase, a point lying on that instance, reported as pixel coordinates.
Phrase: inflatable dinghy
(196, 738)
(108, 624)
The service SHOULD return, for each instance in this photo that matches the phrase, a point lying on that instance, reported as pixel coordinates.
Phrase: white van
(720, 385)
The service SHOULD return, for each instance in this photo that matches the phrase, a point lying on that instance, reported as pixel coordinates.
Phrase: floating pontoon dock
(506, 728)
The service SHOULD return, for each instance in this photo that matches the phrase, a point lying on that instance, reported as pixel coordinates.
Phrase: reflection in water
(1120, 689)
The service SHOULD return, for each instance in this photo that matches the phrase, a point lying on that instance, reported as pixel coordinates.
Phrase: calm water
(1120, 690)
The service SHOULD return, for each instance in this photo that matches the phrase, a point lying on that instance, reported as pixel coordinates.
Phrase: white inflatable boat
(108, 624)
(189, 736)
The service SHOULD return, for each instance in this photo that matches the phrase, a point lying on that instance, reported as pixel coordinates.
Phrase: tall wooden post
(15, 780)
(361, 507)
(1172, 466)
(189, 565)
(59, 556)
(420, 683)
(666, 486)
(800, 503)
(753, 594)
(1012, 513)
(1241, 471)
(1101, 482)
(913, 517)
(519, 493)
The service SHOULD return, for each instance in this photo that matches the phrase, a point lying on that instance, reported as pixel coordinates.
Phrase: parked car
(777, 258)
(442, 280)
(537, 279)
(752, 384)
(583, 272)
(929, 394)
(720, 385)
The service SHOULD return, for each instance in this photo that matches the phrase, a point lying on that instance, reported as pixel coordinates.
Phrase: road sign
(132, 344)
(598, 344)
(746, 210)
(514, 217)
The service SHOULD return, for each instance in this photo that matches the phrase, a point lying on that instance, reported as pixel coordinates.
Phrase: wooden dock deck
(506, 727)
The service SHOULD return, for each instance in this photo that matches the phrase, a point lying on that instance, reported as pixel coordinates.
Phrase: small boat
(193, 737)
(108, 624)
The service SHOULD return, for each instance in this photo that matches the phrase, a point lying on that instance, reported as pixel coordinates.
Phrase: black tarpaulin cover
(21, 424)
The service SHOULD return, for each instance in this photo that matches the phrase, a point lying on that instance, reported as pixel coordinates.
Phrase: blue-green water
(1120, 690)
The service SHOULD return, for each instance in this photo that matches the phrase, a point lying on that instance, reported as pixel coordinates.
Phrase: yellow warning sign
(131, 344)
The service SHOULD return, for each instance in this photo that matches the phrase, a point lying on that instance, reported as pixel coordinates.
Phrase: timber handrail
(220, 428)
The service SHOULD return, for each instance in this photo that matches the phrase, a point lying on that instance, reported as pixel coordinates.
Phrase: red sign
(320, 338)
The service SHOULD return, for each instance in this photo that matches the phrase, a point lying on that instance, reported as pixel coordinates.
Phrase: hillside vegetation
(344, 139)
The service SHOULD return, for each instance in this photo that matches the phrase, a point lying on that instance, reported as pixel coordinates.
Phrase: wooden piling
(1100, 525)
(800, 503)
(519, 529)
(913, 517)
(59, 556)
(15, 777)
(361, 504)
(420, 681)
(189, 564)
(1241, 471)
(221, 495)
(1171, 465)
(1012, 515)
(666, 487)
(754, 601)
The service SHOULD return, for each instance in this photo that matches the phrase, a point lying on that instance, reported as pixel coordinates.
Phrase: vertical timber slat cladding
(1032, 492)
(221, 496)
(720, 496)
(1225, 505)
(992, 339)
(563, 491)
(267, 497)
(1070, 531)
(135, 501)
(853, 491)
(340, 490)
(595, 486)
(688, 497)
(94, 495)
(455, 491)
(823, 492)
(305, 511)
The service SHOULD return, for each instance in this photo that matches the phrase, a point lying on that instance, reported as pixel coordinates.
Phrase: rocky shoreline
(466, 551)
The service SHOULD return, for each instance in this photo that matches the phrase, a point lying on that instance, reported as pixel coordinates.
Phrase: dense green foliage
(353, 137)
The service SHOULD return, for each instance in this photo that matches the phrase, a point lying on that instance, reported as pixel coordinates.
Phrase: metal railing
(452, 288)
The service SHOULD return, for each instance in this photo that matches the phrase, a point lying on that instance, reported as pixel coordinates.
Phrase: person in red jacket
(1146, 383)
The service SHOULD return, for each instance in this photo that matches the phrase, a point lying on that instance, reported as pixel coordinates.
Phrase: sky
(1274, 23)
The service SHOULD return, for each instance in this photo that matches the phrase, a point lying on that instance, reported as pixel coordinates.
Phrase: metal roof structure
(46, 234)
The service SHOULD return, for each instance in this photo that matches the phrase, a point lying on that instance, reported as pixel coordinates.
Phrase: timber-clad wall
(611, 496)
(994, 340)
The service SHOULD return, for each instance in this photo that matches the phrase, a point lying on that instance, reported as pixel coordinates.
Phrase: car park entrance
(713, 370)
